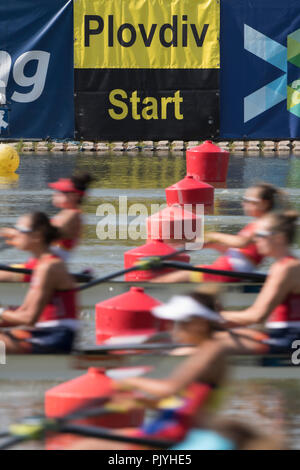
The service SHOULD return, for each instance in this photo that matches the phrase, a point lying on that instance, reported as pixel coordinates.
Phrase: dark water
(143, 178)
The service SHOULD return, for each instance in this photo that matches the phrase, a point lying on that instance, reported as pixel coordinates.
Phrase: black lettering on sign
(88, 30)
(147, 39)
(199, 39)
(127, 32)
(174, 30)
(132, 32)
(110, 30)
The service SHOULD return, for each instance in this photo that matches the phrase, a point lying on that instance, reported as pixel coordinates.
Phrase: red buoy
(151, 248)
(174, 224)
(190, 191)
(85, 391)
(207, 162)
(127, 314)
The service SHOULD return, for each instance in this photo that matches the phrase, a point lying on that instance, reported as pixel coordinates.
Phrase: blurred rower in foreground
(47, 319)
(240, 253)
(278, 303)
(184, 397)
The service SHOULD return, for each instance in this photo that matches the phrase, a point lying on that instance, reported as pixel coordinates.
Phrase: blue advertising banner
(36, 69)
(260, 69)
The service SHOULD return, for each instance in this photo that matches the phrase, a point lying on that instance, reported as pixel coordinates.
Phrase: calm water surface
(143, 178)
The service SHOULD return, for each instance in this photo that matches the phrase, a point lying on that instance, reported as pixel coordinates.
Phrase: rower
(47, 320)
(68, 197)
(278, 303)
(239, 251)
(183, 398)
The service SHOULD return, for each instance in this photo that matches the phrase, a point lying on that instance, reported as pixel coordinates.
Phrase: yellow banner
(165, 34)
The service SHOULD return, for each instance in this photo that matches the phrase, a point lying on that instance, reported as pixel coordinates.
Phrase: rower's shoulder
(287, 269)
(52, 265)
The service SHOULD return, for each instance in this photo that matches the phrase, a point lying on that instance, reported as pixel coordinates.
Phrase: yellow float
(9, 160)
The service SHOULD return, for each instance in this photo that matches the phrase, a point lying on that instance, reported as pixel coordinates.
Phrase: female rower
(278, 303)
(186, 394)
(68, 197)
(239, 251)
(46, 321)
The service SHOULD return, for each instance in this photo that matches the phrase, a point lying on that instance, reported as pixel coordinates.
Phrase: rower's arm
(35, 301)
(197, 367)
(226, 239)
(6, 276)
(276, 287)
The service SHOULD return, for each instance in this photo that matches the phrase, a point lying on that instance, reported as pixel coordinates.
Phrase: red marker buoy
(174, 224)
(207, 162)
(190, 191)
(127, 314)
(81, 392)
(151, 248)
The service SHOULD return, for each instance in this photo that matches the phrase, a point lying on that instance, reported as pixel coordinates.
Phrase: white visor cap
(183, 307)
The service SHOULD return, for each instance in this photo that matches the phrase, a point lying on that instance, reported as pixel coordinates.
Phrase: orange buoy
(207, 162)
(151, 248)
(127, 314)
(190, 191)
(174, 224)
(84, 391)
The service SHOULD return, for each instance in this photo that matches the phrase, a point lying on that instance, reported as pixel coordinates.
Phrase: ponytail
(82, 181)
(41, 222)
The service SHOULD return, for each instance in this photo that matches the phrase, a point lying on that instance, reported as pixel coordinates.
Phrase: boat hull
(232, 295)
(65, 367)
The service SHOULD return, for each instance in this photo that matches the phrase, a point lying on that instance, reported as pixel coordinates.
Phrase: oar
(144, 263)
(79, 277)
(89, 431)
(11, 441)
(129, 347)
(256, 277)
(34, 428)
(103, 433)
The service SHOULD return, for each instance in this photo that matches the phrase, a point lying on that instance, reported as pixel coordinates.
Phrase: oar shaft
(79, 277)
(108, 277)
(103, 433)
(120, 347)
(219, 272)
(11, 441)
